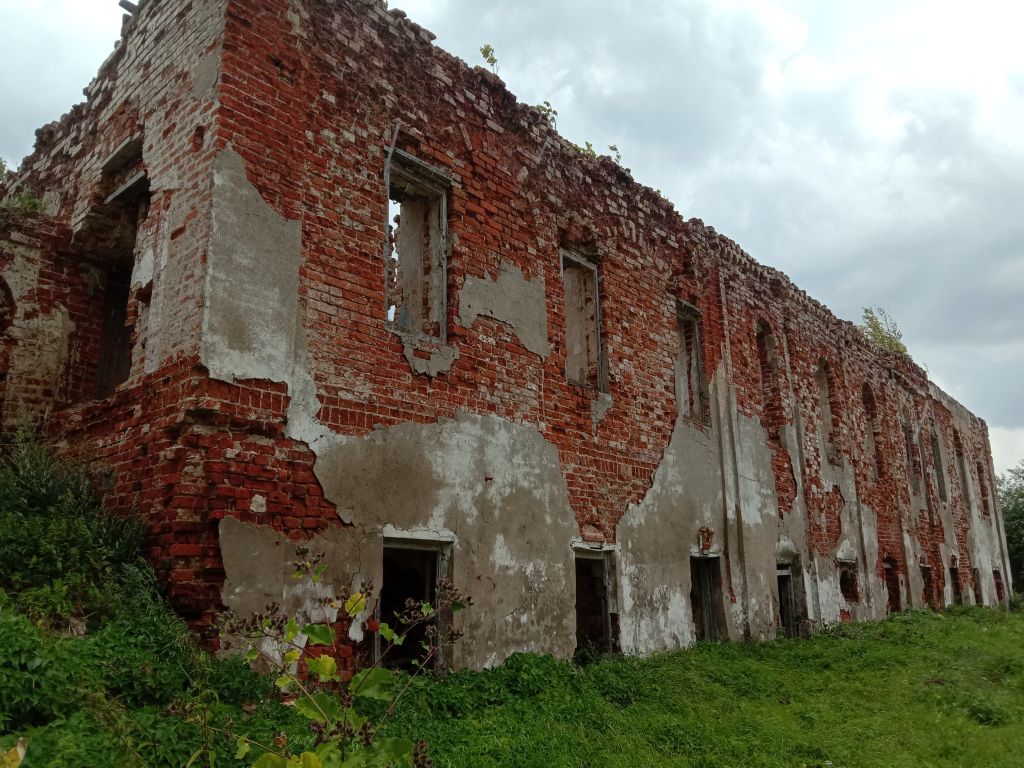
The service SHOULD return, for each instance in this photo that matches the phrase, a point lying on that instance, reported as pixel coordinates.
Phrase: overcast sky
(872, 150)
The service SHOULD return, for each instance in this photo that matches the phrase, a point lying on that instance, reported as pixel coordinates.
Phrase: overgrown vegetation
(131, 688)
(1011, 498)
(487, 52)
(920, 689)
(65, 562)
(882, 330)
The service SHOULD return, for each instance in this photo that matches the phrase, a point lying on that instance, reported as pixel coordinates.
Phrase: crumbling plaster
(495, 485)
(40, 338)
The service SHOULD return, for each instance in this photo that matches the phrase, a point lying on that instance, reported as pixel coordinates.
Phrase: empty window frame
(986, 504)
(115, 350)
(416, 248)
(593, 604)
(961, 468)
(913, 464)
(976, 582)
(691, 383)
(409, 577)
(584, 356)
(997, 577)
(940, 473)
(706, 598)
(773, 415)
(823, 380)
(873, 431)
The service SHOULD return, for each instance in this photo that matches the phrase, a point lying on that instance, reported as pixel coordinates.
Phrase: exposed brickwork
(311, 96)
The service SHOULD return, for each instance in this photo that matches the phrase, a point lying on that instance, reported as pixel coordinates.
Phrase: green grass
(918, 690)
(921, 689)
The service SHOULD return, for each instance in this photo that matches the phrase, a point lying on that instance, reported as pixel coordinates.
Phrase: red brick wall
(309, 95)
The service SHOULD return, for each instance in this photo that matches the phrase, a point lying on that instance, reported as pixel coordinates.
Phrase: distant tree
(3, 167)
(1011, 498)
(882, 331)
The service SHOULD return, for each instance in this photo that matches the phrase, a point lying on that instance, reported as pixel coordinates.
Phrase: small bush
(61, 552)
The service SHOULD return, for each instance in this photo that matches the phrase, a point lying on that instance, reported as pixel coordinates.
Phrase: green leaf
(252, 654)
(373, 683)
(270, 760)
(330, 754)
(283, 682)
(243, 748)
(320, 707)
(324, 667)
(382, 752)
(291, 630)
(318, 573)
(319, 634)
(425, 609)
(311, 760)
(292, 656)
(389, 634)
(355, 605)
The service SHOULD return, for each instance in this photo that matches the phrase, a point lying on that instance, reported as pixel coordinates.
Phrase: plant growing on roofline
(343, 738)
(882, 330)
(487, 51)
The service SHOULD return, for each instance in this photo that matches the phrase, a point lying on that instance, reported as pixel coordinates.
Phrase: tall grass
(921, 689)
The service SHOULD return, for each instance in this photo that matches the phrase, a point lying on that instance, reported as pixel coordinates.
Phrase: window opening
(691, 383)
(961, 467)
(706, 597)
(997, 577)
(771, 399)
(108, 238)
(983, 484)
(892, 586)
(593, 615)
(913, 468)
(954, 582)
(848, 584)
(115, 353)
(787, 601)
(940, 475)
(822, 379)
(976, 581)
(584, 362)
(409, 578)
(415, 264)
(873, 431)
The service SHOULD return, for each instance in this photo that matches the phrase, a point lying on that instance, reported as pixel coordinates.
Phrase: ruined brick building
(302, 275)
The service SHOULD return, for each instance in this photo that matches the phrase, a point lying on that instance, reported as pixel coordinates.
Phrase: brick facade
(268, 384)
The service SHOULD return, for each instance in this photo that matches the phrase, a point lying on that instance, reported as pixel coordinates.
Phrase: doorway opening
(930, 598)
(788, 621)
(892, 586)
(706, 598)
(409, 579)
(997, 577)
(954, 581)
(593, 606)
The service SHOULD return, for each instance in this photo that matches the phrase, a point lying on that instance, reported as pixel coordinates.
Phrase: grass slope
(920, 689)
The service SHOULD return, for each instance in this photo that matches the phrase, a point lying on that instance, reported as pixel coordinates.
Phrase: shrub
(60, 550)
